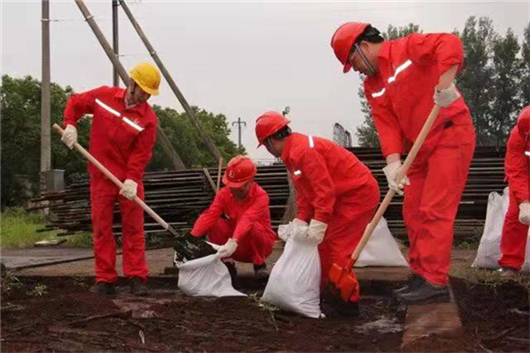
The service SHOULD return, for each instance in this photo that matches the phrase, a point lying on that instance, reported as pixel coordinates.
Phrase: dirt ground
(62, 320)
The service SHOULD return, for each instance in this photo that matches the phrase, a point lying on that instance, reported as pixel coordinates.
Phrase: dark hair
(283, 133)
(370, 35)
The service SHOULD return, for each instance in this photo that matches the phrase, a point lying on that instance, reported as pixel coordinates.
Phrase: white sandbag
(294, 282)
(489, 250)
(381, 249)
(206, 277)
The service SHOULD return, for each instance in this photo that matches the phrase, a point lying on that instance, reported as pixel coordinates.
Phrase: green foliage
(21, 128)
(525, 67)
(187, 141)
(18, 229)
(477, 39)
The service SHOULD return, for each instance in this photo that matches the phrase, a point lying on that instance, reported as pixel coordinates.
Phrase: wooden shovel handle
(115, 180)
(390, 194)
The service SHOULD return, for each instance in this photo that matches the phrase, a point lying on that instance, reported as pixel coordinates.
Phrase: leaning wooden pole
(166, 144)
(191, 115)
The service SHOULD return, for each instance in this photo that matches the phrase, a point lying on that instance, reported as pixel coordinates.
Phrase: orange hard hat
(343, 40)
(268, 124)
(239, 170)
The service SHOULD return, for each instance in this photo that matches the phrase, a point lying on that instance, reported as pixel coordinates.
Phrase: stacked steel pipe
(179, 197)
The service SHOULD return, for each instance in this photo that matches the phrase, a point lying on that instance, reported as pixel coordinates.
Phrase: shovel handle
(390, 194)
(116, 181)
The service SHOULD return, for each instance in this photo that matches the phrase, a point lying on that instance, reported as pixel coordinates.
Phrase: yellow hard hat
(147, 76)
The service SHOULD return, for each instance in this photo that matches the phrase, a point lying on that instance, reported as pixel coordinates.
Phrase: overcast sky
(235, 58)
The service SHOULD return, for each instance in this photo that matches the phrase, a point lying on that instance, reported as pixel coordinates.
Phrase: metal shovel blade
(344, 284)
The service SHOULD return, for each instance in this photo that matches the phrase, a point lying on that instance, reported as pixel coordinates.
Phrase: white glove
(524, 213)
(391, 172)
(228, 249)
(446, 97)
(69, 136)
(129, 189)
(316, 231)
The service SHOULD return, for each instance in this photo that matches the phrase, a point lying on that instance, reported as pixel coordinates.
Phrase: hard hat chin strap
(365, 60)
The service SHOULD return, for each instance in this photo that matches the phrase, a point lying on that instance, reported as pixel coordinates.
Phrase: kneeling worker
(239, 219)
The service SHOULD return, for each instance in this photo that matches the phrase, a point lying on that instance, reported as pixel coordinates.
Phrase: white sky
(235, 58)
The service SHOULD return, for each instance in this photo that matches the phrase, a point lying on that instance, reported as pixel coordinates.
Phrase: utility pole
(239, 122)
(45, 156)
(115, 43)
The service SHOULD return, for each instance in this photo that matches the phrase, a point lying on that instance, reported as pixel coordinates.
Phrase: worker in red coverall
(239, 219)
(515, 230)
(122, 137)
(404, 79)
(335, 193)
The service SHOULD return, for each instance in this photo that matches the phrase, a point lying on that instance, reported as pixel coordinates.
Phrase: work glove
(69, 136)
(316, 231)
(129, 189)
(391, 172)
(228, 249)
(446, 97)
(524, 213)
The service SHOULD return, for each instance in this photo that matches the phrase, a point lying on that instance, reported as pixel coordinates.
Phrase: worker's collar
(287, 148)
(250, 193)
(384, 51)
(120, 95)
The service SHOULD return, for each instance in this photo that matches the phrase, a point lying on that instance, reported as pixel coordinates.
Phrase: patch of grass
(18, 229)
(81, 240)
(489, 278)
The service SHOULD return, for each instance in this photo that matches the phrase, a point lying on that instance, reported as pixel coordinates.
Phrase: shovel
(343, 282)
(187, 246)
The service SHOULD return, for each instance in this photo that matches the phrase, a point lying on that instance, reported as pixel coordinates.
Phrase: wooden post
(191, 115)
(175, 158)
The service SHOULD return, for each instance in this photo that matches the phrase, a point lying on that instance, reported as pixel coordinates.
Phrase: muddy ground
(64, 318)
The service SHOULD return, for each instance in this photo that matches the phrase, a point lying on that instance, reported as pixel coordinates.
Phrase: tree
(507, 76)
(366, 132)
(525, 68)
(475, 82)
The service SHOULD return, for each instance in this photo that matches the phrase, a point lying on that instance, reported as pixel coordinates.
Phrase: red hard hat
(239, 170)
(523, 122)
(268, 124)
(343, 40)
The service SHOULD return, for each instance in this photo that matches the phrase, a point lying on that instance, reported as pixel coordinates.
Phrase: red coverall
(249, 222)
(514, 233)
(122, 140)
(401, 98)
(334, 187)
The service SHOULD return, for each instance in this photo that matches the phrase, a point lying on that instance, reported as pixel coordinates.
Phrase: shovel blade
(344, 283)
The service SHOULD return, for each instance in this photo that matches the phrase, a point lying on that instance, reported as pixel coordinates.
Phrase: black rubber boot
(426, 293)
(413, 283)
(103, 288)
(233, 274)
(138, 287)
(260, 271)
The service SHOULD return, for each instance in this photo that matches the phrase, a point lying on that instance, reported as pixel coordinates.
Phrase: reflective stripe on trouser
(514, 237)
(347, 227)
(104, 194)
(253, 248)
(431, 202)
